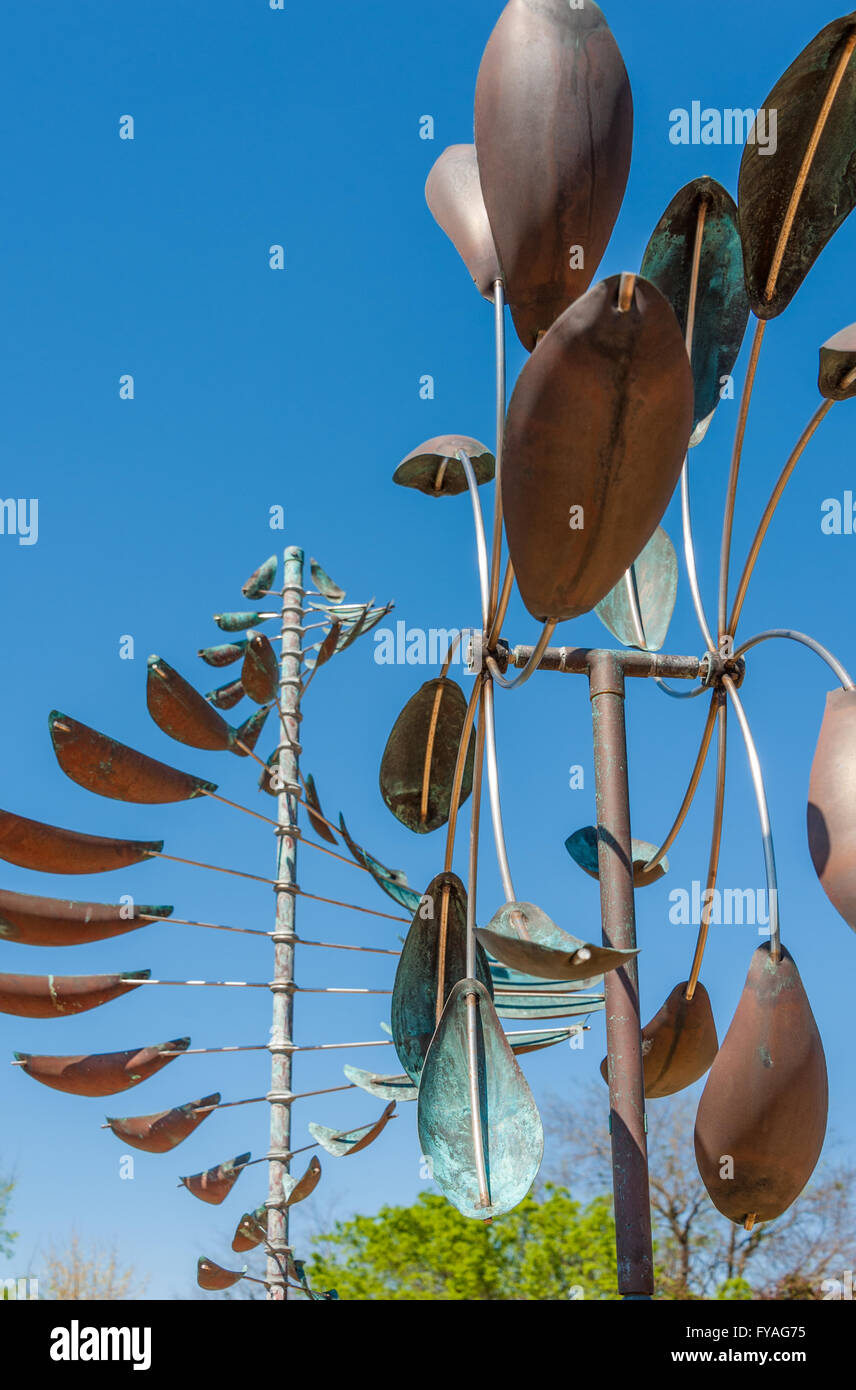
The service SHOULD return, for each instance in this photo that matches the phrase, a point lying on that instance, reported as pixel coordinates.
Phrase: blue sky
(301, 388)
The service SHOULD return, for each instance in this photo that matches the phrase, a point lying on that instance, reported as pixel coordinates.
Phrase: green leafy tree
(7, 1237)
(549, 1248)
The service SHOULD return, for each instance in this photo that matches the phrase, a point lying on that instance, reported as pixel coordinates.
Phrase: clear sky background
(301, 388)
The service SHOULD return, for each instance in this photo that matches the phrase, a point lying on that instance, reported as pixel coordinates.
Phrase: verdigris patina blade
(298, 1189)
(453, 194)
(60, 996)
(240, 622)
(418, 764)
(324, 584)
(164, 1131)
(392, 881)
(433, 959)
(654, 575)
(215, 1184)
(722, 306)
(504, 977)
(261, 580)
(535, 1042)
(182, 712)
(53, 850)
(260, 671)
(384, 1087)
(101, 1073)
(341, 1144)
(678, 1045)
(109, 768)
(509, 1133)
(544, 1004)
(316, 815)
(247, 734)
(227, 696)
(798, 181)
(435, 469)
(32, 921)
(525, 938)
(582, 847)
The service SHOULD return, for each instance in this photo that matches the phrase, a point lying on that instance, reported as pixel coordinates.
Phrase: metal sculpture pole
(282, 985)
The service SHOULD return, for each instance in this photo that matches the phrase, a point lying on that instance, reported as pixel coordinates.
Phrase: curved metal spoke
(496, 550)
(532, 664)
(731, 495)
(493, 788)
(695, 778)
(719, 707)
(823, 652)
(481, 542)
(764, 817)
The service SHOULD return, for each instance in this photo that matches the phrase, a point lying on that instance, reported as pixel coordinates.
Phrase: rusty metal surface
(582, 846)
(765, 1101)
(678, 1045)
(326, 586)
(721, 307)
(161, 1132)
(260, 671)
(597, 431)
(102, 765)
(227, 696)
(399, 1088)
(344, 1143)
(50, 849)
(224, 653)
(832, 804)
(33, 921)
(214, 1185)
(392, 881)
(553, 130)
(435, 469)
(182, 712)
(214, 1278)
(769, 176)
(433, 959)
(512, 1135)
(101, 1073)
(424, 743)
(453, 194)
(261, 579)
(315, 812)
(60, 996)
(250, 732)
(251, 1230)
(523, 937)
(654, 573)
(837, 361)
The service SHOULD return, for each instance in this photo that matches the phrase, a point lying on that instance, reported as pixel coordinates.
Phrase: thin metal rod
(215, 868)
(502, 609)
(686, 513)
(208, 984)
(472, 1000)
(310, 844)
(333, 902)
(720, 706)
(493, 791)
(332, 1047)
(731, 495)
(210, 926)
(300, 989)
(763, 816)
(496, 548)
(532, 664)
(687, 802)
(642, 641)
(204, 1051)
(224, 801)
(823, 652)
(481, 541)
(575, 661)
(338, 946)
(458, 779)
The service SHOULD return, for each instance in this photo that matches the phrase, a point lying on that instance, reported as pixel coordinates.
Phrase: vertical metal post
(282, 985)
(623, 1023)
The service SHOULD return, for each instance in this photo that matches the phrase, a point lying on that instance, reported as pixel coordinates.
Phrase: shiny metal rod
(481, 542)
(493, 790)
(719, 707)
(763, 816)
(824, 653)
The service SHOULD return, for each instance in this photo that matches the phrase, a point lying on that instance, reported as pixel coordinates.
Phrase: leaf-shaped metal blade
(227, 696)
(798, 183)
(544, 1004)
(504, 977)
(678, 1045)
(101, 1073)
(582, 847)
(225, 654)
(435, 469)
(240, 622)
(214, 1278)
(392, 881)
(433, 959)
(159, 1133)
(260, 671)
(50, 849)
(102, 765)
(248, 734)
(60, 996)
(341, 1144)
(654, 576)
(251, 1230)
(215, 1184)
(722, 307)
(316, 815)
(369, 619)
(399, 1088)
(298, 1189)
(832, 804)
(324, 584)
(765, 1102)
(535, 1042)
(261, 580)
(837, 362)
(182, 712)
(511, 1139)
(453, 194)
(418, 764)
(525, 938)
(596, 436)
(32, 921)
(554, 129)
(330, 645)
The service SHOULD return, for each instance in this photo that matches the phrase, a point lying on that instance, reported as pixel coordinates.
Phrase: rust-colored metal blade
(182, 712)
(342, 1144)
(251, 1231)
(523, 937)
(832, 804)
(298, 1189)
(59, 996)
(678, 1045)
(32, 921)
(157, 1134)
(324, 584)
(224, 654)
(597, 432)
(418, 764)
(260, 671)
(227, 696)
(248, 733)
(453, 193)
(762, 1116)
(106, 767)
(435, 469)
(261, 579)
(52, 850)
(215, 1184)
(316, 815)
(101, 1073)
(554, 130)
(582, 847)
(214, 1278)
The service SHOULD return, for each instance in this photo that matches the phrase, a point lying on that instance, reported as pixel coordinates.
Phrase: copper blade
(260, 671)
(52, 850)
(678, 1045)
(102, 765)
(161, 1132)
(224, 654)
(261, 579)
(227, 696)
(582, 847)
(59, 996)
(342, 1144)
(182, 712)
(523, 937)
(251, 1231)
(215, 1184)
(453, 193)
(316, 815)
(435, 469)
(832, 804)
(403, 765)
(214, 1278)
(32, 921)
(101, 1073)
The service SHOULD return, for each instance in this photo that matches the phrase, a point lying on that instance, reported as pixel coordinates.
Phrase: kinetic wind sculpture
(621, 383)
